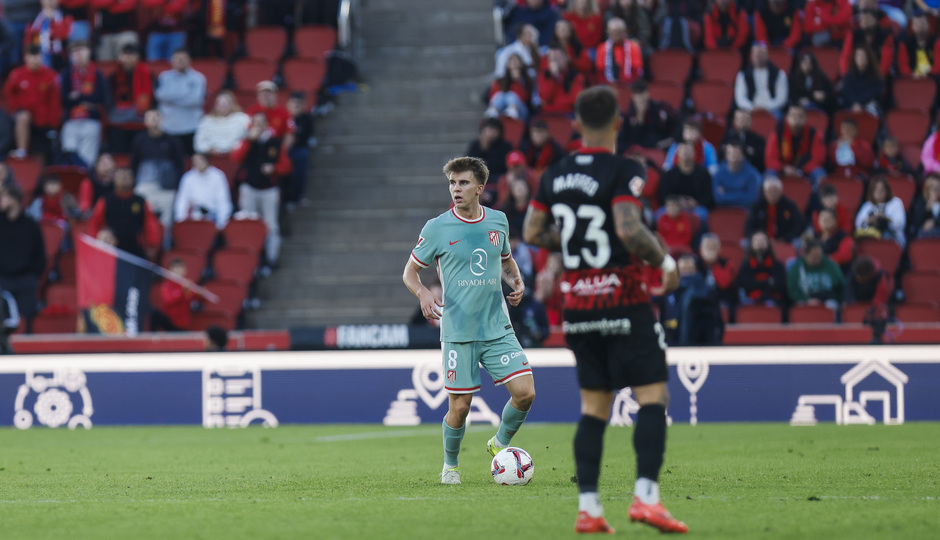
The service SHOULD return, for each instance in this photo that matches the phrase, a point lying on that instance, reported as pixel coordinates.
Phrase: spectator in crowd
(703, 152)
(796, 148)
(131, 95)
(930, 153)
(220, 131)
(24, 255)
(754, 145)
(774, 213)
(762, 279)
(98, 183)
(81, 15)
(737, 182)
(157, 161)
(815, 279)
(262, 163)
(49, 31)
(689, 181)
(882, 215)
(83, 97)
(726, 26)
(718, 270)
(304, 140)
(862, 88)
(869, 33)
(53, 205)
(827, 22)
(849, 154)
(526, 46)
(586, 20)
(619, 60)
(577, 54)
(761, 84)
(777, 23)
(918, 49)
(540, 14)
(520, 193)
(674, 225)
(513, 94)
(167, 32)
(278, 117)
(181, 93)
(128, 215)
(203, 194)
(673, 18)
(638, 22)
(836, 244)
(690, 313)
(867, 282)
(890, 161)
(925, 212)
(6, 175)
(19, 14)
(117, 28)
(810, 88)
(33, 95)
(540, 149)
(216, 339)
(828, 199)
(175, 314)
(559, 84)
(491, 147)
(649, 123)
(517, 169)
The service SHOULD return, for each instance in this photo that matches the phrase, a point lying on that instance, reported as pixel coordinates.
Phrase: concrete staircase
(377, 171)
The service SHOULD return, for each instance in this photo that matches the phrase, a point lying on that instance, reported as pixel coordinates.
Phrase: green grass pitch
(368, 481)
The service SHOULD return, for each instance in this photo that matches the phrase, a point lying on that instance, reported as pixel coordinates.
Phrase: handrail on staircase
(498, 14)
(347, 22)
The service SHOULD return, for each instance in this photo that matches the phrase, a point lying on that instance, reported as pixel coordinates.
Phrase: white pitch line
(405, 433)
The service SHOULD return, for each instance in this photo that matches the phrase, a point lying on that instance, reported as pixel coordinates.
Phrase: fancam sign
(799, 385)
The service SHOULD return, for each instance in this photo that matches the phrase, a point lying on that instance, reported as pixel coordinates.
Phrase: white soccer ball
(512, 466)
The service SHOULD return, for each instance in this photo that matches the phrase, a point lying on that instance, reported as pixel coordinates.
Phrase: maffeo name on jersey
(578, 181)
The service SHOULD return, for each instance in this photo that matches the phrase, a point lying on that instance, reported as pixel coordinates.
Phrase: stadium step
(376, 173)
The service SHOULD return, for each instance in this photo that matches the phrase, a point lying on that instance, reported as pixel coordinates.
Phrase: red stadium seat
(922, 286)
(235, 265)
(798, 189)
(195, 262)
(713, 97)
(828, 59)
(818, 120)
(763, 122)
(49, 323)
(70, 175)
(314, 41)
(727, 223)
(210, 317)
(159, 66)
(266, 42)
(671, 65)
(304, 74)
(651, 188)
(855, 313)
(812, 314)
(867, 123)
(915, 93)
(903, 187)
(719, 65)
(227, 165)
(624, 95)
(62, 295)
(215, 72)
(911, 154)
(850, 190)
(925, 254)
(781, 57)
(231, 296)
(758, 315)
(886, 252)
(249, 72)
(52, 236)
(559, 127)
(107, 67)
(733, 252)
(784, 251)
(193, 235)
(668, 92)
(713, 130)
(246, 234)
(513, 130)
(66, 267)
(924, 312)
(26, 172)
(909, 126)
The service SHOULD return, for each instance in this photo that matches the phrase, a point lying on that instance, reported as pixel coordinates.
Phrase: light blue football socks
(511, 422)
(452, 439)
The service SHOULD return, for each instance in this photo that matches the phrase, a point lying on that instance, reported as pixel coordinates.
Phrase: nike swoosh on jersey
(455, 241)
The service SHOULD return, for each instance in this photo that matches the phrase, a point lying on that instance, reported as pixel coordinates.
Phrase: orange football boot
(656, 515)
(588, 524)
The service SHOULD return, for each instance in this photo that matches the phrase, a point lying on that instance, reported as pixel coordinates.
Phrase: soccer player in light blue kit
(470, 248)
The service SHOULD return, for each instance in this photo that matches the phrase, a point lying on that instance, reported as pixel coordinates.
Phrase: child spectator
(83, 96)
(586, 21)
(619, 60)
(828, 199)
(33, 95)
(774, 213)
(737, 182)
(220, 131)
(882, 215)
(54, 205)
(512, 94)
(815, 279)
(838, 245)
(890, 161)
(867, 282)
(304, 140)
(175, 314)
(849, 154)
(49, 30)
(203, 194)
(810, 87)
(925, 213)
(539, 148)
(674, 225)
(761, 278)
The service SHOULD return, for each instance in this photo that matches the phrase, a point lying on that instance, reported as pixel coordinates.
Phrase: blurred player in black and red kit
(608, 321)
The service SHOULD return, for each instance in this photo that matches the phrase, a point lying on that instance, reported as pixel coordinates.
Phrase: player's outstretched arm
(430, 305)
(513, 278)
(640, 241)
(539, 230)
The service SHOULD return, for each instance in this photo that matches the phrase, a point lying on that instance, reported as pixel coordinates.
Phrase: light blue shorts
(503, 358)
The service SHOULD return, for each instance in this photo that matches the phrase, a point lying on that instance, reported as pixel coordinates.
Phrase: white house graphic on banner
(852, 409)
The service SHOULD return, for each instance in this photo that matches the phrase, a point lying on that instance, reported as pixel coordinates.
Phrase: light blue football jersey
(468, 256)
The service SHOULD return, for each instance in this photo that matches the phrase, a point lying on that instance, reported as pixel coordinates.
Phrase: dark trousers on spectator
(23, 289)
(159, 322)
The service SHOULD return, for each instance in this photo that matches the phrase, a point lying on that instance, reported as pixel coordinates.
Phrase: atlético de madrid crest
(494, 238)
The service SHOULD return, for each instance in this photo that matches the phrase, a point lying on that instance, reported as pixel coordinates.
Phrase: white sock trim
(647, 490)
(590, 502)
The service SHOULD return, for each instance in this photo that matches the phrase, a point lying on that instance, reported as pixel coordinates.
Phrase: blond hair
(475, 165)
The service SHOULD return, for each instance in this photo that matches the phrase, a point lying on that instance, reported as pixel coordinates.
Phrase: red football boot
(656, 515)
(588, 524)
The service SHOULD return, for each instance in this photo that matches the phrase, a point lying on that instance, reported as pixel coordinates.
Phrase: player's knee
(460, 410)
(524, 399)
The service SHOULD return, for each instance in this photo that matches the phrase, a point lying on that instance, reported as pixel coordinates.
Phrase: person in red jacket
(726, 26)
(869, 32)
(129, 216)
(796, 148)
(559, 84)
(919, 50)
(578, 56)
(619, 60)
(49, 30)
(849, 154)
(778, 23)
(278, 117)
(33, 95)
(175, 314)
(827, 22)
(167, 31)
(674, 225)
(586, 20)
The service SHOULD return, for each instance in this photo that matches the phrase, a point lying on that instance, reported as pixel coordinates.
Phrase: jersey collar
(479, 219)
(594, 150)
